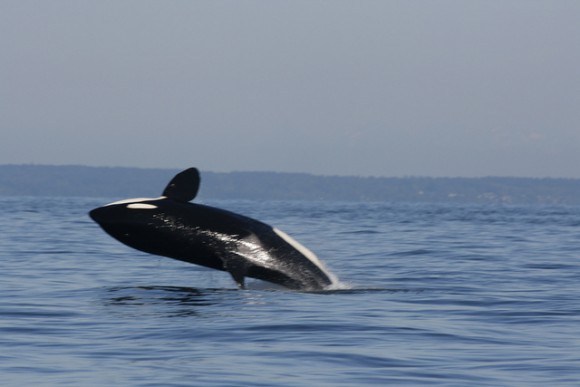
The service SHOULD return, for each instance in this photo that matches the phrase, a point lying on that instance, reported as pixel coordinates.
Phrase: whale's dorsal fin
(184, 186)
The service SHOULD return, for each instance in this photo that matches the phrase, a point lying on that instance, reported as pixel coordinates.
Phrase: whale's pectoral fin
(237, 267)
(184, 186)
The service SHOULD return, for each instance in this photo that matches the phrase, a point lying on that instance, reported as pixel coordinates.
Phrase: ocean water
(433, 295)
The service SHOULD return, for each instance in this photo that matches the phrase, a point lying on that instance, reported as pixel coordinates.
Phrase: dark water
(433, 295)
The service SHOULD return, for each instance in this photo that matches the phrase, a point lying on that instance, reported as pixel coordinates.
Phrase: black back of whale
(170, 226)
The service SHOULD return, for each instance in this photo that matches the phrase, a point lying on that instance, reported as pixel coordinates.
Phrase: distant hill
(39, 180)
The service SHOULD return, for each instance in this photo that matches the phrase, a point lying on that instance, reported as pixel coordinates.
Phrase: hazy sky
(385, 88)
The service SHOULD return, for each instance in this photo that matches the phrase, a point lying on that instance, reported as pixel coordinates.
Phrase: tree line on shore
(117, 182)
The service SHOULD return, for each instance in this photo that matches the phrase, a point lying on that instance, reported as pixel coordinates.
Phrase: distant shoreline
(122, 182)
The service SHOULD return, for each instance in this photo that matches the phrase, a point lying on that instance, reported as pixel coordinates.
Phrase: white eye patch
(135, 201)
(141, 206)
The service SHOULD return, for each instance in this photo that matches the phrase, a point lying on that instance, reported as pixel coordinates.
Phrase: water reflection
(187, 296)
(169, 301)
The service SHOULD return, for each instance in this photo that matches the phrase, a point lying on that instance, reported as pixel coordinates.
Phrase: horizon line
(286, 172)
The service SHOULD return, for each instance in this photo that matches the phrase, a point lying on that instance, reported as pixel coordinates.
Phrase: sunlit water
(448, 295)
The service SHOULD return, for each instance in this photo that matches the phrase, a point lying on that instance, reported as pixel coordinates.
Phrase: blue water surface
(431, 294)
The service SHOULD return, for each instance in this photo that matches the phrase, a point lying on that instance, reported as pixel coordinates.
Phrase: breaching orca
(172, 227)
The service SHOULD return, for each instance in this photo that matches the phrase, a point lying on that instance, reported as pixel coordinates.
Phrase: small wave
(412, 252)
(355, 290)
(360, 232)
(338, 285)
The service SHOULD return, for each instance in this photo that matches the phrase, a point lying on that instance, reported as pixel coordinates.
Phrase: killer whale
(173, 227)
